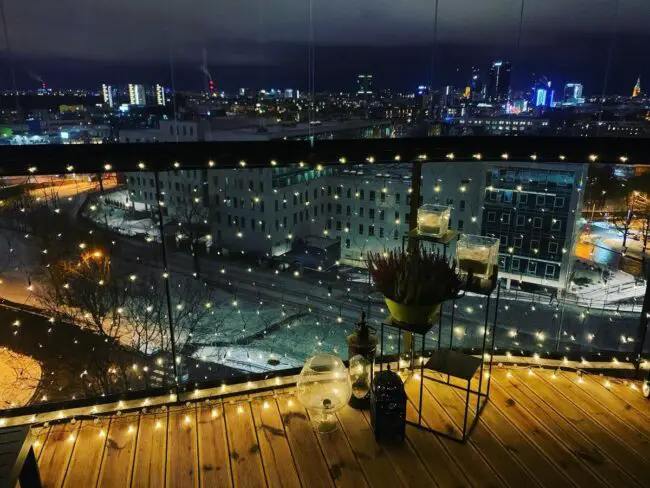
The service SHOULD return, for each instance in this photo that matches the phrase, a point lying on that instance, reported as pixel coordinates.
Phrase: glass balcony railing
(150, 274)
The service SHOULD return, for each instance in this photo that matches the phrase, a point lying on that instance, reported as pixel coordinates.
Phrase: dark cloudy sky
(264, 42)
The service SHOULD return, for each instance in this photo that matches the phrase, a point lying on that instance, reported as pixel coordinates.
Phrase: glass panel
(265, 268)
(82, 317)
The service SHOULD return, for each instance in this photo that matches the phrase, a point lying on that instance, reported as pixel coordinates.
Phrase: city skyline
(395, 42)
(193, 81)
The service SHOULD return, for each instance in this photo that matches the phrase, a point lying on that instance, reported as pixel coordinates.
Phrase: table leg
(381, 348)
(421, 382)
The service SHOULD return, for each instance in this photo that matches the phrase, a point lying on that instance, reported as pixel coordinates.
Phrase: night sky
(264, 43)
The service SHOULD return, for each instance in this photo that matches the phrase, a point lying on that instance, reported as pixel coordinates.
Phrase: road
(603, 245)
(532, 324)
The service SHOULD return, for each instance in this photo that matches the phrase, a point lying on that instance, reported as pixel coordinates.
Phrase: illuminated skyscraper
(107, 94)
(542, 93)
(476, 84)
(573, 94)
(636, 91)
(365, 84)
(498, 89)
(160, 95)
(136, 95)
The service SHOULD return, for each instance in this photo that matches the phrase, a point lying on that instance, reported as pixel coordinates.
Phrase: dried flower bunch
(419, 277)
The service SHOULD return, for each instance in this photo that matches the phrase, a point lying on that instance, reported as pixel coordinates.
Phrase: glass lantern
(433, 220)
(477, 254)
(324, 389)
(362, 348)
(360, 378)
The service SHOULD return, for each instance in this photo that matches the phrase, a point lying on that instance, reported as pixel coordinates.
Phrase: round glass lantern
(646, 389)
(324, 389)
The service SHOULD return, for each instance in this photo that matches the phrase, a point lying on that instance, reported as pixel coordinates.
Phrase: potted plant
(414, 284)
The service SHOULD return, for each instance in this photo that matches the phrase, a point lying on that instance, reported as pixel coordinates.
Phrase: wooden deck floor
(537, 430)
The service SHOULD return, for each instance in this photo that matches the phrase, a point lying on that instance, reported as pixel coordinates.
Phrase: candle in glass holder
(429, 224)
(474, 261)
(477, 254)
(433, 219)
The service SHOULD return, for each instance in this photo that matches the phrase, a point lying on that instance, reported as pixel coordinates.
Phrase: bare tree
(191, 218)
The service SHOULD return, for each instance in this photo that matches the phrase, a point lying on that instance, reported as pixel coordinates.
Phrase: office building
(476, 85)
(160, 95)
(136, 95)
(107, 95)
(573, 94)
(498, 88)
(493, 126)
(364, 84)
(533, 210)
(543, 94)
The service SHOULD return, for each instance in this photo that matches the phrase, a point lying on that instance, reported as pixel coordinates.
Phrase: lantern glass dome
(324, 389)
(360, 376)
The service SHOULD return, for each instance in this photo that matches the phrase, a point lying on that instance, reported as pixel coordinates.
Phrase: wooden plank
(595, 387)
(151, 451)
(603, 411)
(311, 465)
(521, 448)
(182, 448)
(276, 453)
(214, 460)
(378, 469)
(633, 397)
(41, 438)
(496, 455)
(436, 417)
(433, 415)
(117, 465)
(245, 457)
(343, 465)
(444, 470)
(603, 471)
(557, 392)
(87, 454)
(556, 452)
(56, 453)
(408, 465)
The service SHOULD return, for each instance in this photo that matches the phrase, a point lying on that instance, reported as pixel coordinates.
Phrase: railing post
(413, 243)
(642, 329)
(166, 277)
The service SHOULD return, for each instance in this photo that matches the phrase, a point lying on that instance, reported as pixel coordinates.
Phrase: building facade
(531, 208)
(498, 89)
(137, 95)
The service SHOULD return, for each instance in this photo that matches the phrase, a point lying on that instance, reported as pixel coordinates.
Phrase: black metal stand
(453, 363)
(443, 240)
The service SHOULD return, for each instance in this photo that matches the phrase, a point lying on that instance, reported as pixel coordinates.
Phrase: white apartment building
(367, 208)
